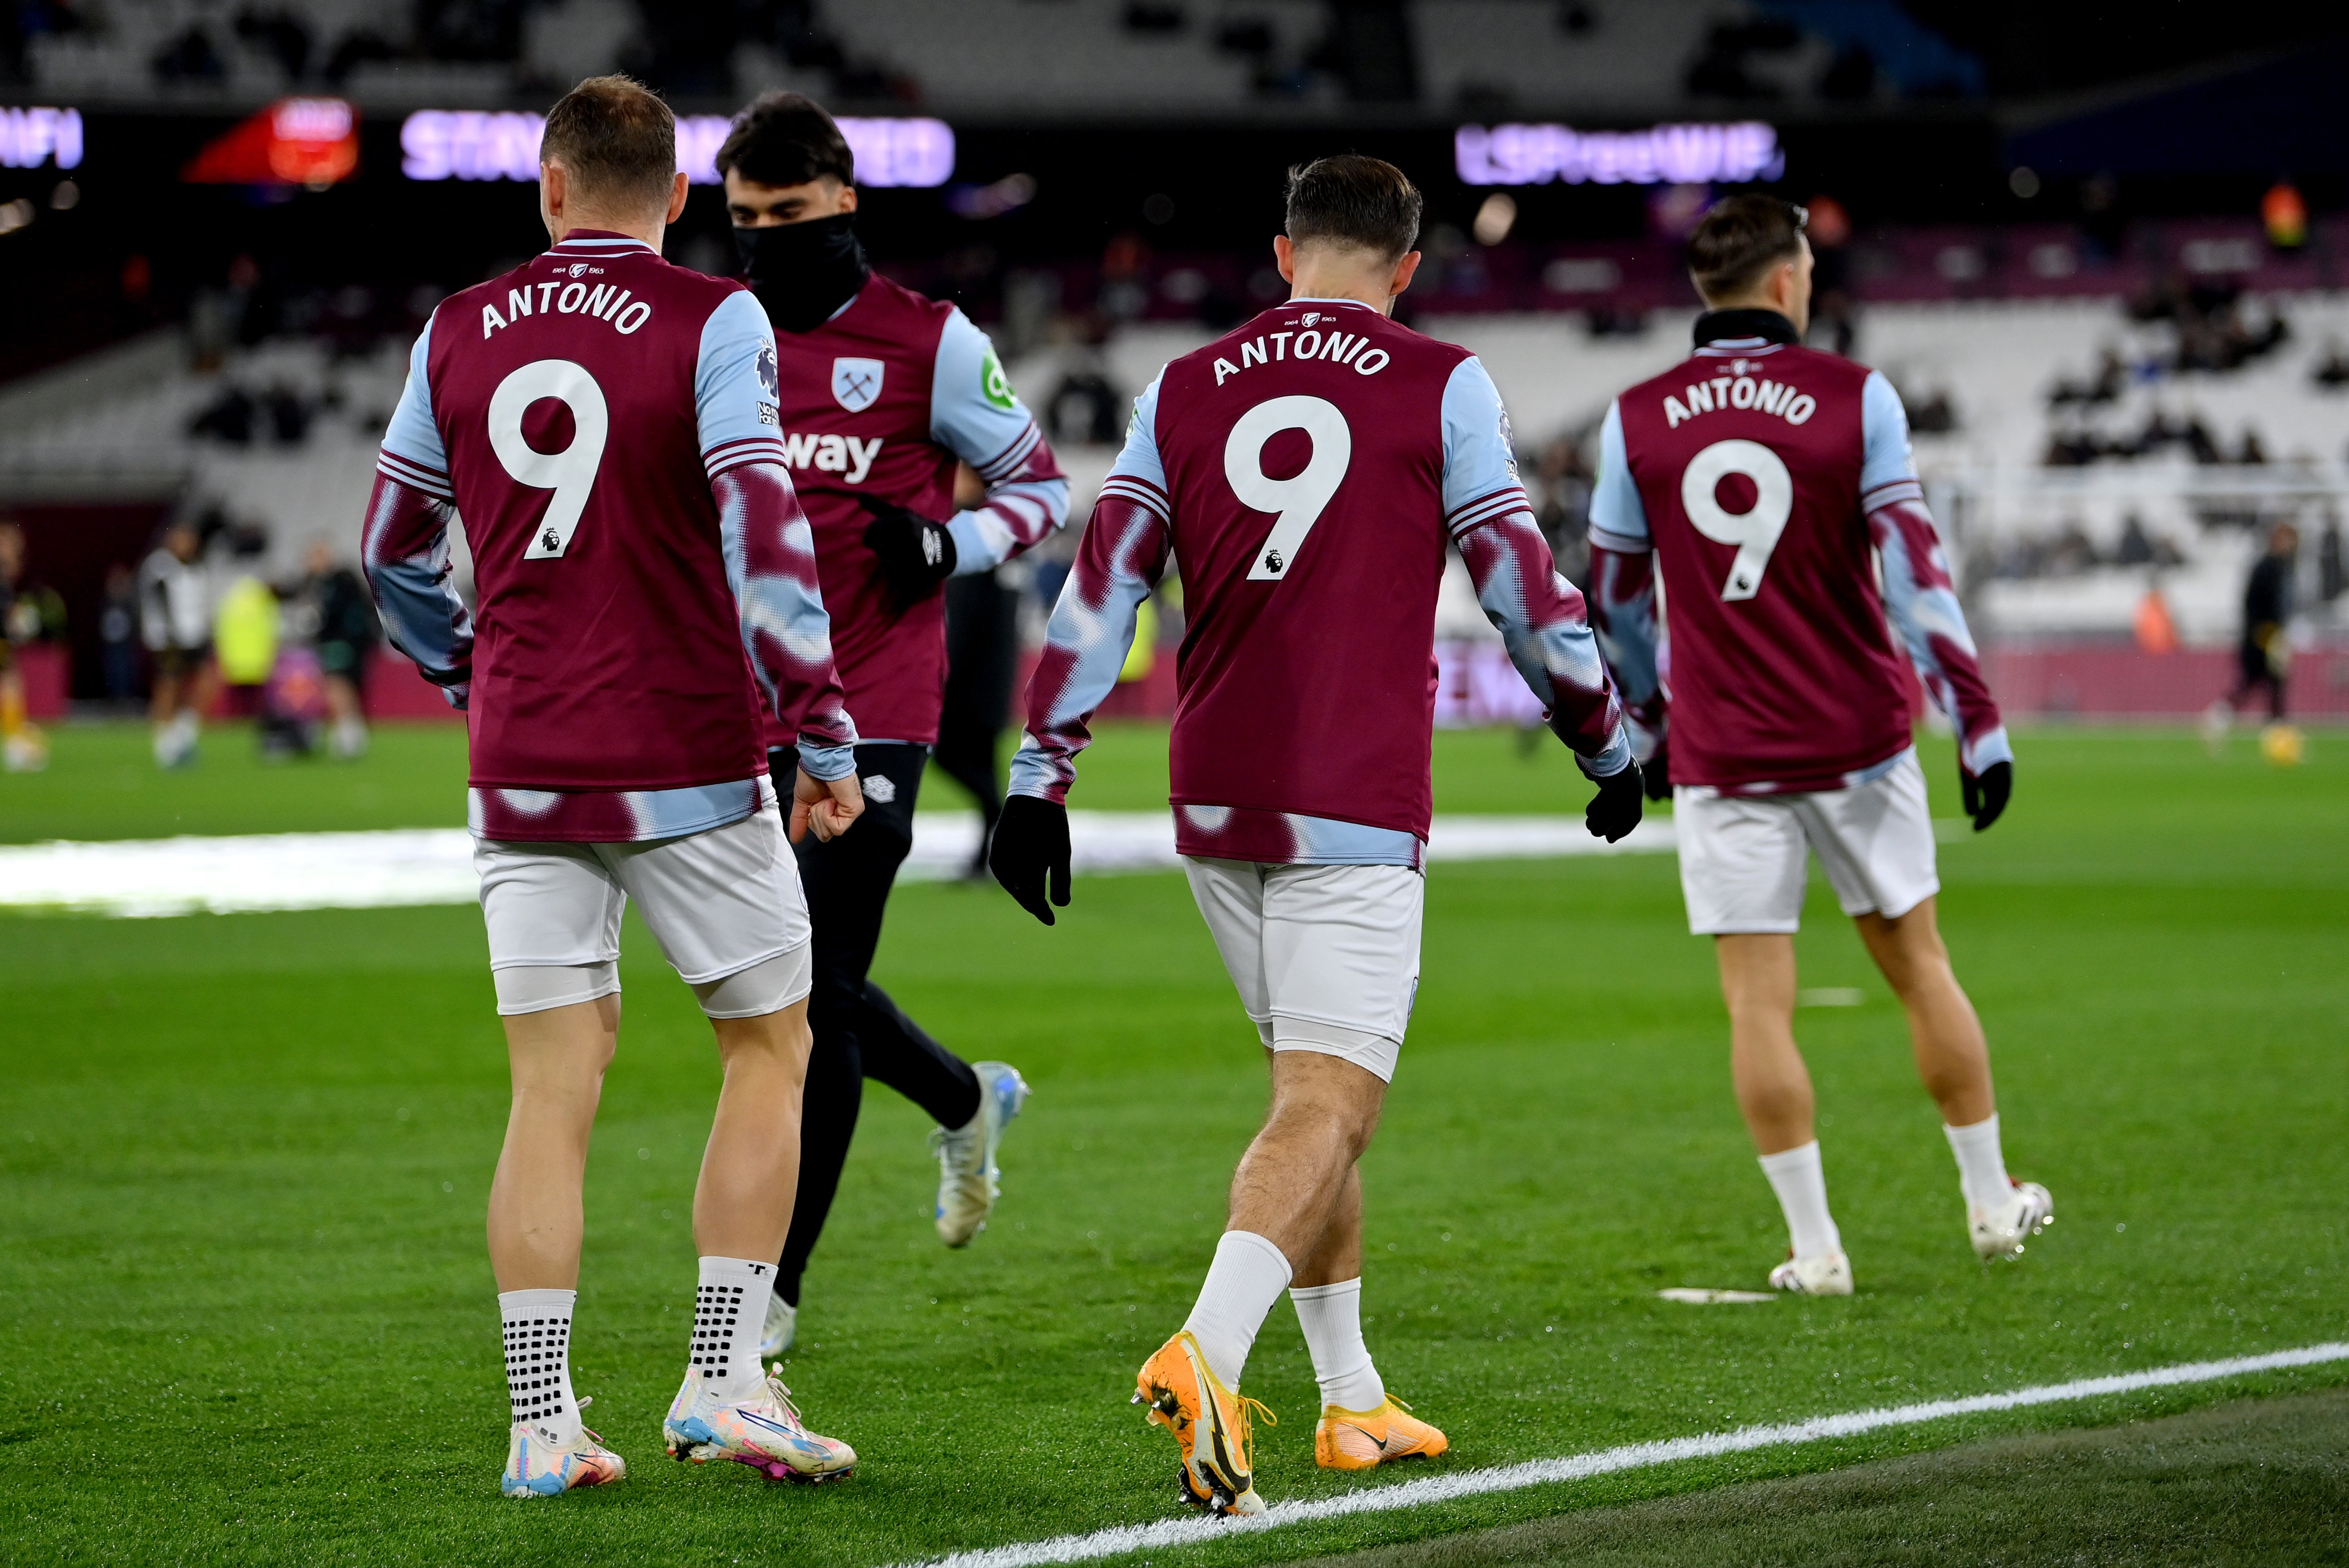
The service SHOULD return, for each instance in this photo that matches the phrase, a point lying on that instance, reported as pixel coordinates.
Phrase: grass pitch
(243, 1162)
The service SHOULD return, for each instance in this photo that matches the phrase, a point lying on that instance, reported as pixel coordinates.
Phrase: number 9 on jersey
(1754, 532)
(571, 472)
(1300, 499)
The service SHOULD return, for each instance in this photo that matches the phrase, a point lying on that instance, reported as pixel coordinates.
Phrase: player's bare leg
(558, 1057)
(1773, 1086)
(1774, 1091)
(750, 1170)
(537, 1209)
(1953, 1060)
(1291, 1180)
(729, 1407)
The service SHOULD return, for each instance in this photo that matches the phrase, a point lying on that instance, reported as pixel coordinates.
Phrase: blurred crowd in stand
(200, 628)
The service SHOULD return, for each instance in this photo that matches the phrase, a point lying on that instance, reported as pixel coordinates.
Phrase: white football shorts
(726, 905)
(1326, 957)
(1745, 858)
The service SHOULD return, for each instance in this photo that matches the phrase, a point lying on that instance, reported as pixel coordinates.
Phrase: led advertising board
(472, 144)
(1660, 155)
(32, 137)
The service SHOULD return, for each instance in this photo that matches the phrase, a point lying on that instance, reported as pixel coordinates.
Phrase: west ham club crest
(855, 383)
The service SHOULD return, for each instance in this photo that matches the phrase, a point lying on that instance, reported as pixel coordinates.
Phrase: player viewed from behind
(1761, 474)
(603, 422)
(175, 620)
(883, 391)
(1307, 471)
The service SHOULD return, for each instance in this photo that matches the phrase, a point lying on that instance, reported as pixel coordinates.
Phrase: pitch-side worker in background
(1308, 471)
(884, 394)
(1764, 476)
(604, 423)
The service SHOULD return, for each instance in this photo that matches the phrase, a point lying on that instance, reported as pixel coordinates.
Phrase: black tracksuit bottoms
(859, 1033)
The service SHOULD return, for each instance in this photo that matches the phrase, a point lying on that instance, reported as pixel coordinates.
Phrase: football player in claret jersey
(1308, 471)
(603, 423)
(884, 393)
(1765, 480)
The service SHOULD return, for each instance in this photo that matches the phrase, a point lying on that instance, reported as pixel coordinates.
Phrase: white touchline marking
(1191, 1530)
(243, 873)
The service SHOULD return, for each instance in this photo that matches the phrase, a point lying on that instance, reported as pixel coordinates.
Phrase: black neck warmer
(802, 272)
(1721, 326)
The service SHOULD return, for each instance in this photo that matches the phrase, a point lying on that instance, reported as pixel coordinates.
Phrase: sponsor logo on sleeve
(855, 383)
(993, 384)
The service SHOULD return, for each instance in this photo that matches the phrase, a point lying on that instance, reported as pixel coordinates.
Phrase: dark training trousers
(982, 660)
(859, 1033)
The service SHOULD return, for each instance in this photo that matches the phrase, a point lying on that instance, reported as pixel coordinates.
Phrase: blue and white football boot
(969, 1181)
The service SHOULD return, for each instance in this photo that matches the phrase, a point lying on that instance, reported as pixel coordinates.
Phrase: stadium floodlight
(32, 137)
(1692, 154)
(474, 144)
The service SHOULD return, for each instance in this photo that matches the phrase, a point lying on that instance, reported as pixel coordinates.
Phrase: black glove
(1658, 774)
(1985, 795)
(916, 553)
(1615, 810)
(1031, 838)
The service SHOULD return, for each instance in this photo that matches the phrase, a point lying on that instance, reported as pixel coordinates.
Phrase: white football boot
(969, 1179)
(2000, 1232)
(538, 1465)
(1828, 1274)
(783, 1326)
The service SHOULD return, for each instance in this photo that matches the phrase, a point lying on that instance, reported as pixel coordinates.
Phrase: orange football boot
(1358, 1439)
(1210, 1422)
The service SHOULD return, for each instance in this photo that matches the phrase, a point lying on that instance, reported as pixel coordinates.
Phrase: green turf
(243, 1160)
(2255, 1482)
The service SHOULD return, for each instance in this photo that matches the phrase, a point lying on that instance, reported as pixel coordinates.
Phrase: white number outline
(1300, 500)
(571, 472)
(1755, 533)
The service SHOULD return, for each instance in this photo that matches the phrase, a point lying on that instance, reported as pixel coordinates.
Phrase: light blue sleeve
(1619, 520)
(413, 435)
(1139, 458)
(734, 382)
(1480, 460)
(974, 413)
(1884, 435)
(1092, 626)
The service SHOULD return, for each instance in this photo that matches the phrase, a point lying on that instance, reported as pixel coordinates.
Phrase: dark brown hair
(616, 141)
(1349, 199)
(1743, 237)
(786, 139)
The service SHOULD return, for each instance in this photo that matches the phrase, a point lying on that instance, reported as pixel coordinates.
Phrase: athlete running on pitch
(1760, 473)
(1308, 470)
(883, 392)
(605, 423)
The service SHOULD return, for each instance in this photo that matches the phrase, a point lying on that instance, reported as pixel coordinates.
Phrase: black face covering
(804, 272)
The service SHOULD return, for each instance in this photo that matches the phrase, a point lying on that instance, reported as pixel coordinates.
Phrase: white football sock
(1331, 1316)
(1981, 1166)
(730, 1307)
(1801, 1184)
(538, 1360)
(1247, 1277)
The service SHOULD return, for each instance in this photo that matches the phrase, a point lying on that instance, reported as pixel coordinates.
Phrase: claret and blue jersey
(1760, 475)
(603, 424)
(879, 402)
(1308, 471)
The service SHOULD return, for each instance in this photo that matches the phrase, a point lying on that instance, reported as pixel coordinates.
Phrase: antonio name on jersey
(1309, 341)
(603, 301)
(1738, 390)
